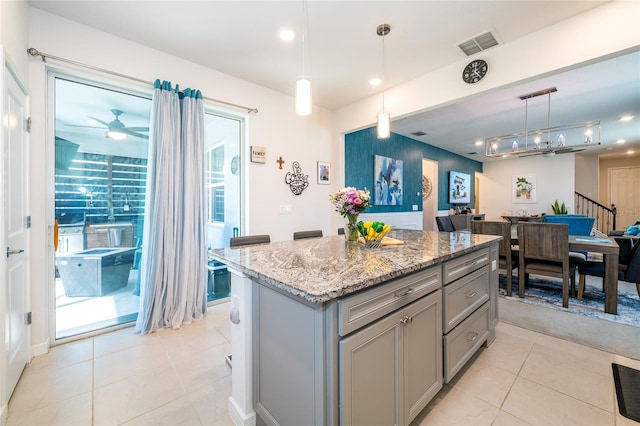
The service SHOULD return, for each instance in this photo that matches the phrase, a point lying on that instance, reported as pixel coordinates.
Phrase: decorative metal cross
(280, 161)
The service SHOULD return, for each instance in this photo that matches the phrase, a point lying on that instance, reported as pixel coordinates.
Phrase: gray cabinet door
(370, 365)
(393, 368)
(422, 354)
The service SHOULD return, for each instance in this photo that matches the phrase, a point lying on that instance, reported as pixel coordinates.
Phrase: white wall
(554, 178)
(276, 127)
(14, 36)
(587, 175)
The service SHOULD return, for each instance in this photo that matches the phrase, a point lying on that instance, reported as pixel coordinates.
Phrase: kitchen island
(330, 332)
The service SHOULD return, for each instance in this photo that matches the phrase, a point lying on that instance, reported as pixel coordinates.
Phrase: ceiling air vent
(478, 43)
(419, 133)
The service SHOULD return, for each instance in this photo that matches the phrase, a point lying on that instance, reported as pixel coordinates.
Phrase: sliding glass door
(100, 155)
(101, 145)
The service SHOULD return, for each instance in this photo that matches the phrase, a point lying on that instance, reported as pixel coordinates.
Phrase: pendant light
(384, 118)
(303, 85)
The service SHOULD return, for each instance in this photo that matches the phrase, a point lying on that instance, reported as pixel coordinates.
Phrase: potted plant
(559, 209)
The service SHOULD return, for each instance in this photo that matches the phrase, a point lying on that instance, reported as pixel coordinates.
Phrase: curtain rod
(35, 52)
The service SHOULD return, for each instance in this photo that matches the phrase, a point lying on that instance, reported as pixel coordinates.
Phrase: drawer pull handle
(405, 320)
(473, 337)
(471, 294)
(474, 263)
(406, 293)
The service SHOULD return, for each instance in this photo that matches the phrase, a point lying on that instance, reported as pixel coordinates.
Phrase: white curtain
(174, 258)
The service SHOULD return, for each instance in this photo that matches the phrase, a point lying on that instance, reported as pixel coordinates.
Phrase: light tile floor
(179, 377)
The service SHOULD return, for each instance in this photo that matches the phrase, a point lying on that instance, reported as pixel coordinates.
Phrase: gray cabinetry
(377, 356)
(392, 368)
(466, 295)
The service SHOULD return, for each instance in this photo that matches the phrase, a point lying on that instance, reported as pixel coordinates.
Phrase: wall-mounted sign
(297, 180)
(258, 154)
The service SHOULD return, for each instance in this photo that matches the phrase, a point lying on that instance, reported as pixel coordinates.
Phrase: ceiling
(235, 38)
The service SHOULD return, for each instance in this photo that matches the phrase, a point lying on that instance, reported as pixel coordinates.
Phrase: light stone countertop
(322, 269)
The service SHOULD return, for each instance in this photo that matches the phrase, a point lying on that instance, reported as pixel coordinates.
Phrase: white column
(241, 407)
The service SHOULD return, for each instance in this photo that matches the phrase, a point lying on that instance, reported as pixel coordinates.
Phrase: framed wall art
(523, 189)
(324, 173)
(388, 181)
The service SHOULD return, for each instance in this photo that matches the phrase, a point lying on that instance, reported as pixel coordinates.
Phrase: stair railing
(605, 216)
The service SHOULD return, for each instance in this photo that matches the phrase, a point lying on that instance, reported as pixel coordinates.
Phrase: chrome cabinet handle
(405, 319)
(406, 293)
(473, 337)
(11, 251)
(471, 294)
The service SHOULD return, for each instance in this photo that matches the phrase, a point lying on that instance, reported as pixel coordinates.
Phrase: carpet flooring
(548, 293)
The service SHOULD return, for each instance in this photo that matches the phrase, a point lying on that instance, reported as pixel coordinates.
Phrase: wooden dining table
(608, 247)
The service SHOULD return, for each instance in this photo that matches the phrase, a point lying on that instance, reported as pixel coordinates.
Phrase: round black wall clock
(475, 71)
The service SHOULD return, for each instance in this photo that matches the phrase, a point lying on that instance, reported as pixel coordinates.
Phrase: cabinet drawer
(464, 341)
(464, 296)
(360, 309)
(460, 267)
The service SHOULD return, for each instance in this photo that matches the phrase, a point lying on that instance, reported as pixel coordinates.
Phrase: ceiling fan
(116, 128)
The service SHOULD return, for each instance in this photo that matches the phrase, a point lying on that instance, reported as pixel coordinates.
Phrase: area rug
(548, 293)
(627, 381)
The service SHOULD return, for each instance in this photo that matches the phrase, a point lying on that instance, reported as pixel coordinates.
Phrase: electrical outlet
(493, 265)
(415, 207)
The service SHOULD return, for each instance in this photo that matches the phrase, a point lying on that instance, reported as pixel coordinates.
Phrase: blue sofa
(578, 224)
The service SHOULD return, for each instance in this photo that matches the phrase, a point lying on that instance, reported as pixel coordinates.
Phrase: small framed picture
(324, 173)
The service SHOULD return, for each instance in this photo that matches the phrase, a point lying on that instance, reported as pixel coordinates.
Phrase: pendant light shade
(303, 97)
(384, 125)
(303, 86)
(384, 118)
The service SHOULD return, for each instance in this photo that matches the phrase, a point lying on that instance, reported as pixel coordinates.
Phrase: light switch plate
(286, 208)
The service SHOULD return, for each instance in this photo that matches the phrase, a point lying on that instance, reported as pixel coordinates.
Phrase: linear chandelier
(548, 141)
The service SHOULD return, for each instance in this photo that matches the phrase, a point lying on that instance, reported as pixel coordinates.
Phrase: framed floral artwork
(324, 173)
(523, 189)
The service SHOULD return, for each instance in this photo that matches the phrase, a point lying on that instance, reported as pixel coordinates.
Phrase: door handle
(11, 251)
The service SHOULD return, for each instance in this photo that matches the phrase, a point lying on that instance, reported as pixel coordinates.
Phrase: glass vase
(351, 231)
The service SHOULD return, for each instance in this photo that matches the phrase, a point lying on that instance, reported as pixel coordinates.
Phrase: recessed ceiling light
(287, 35)
(630, 152)
(478, 143)
(375, 81)
(627, 117)
(621, 141)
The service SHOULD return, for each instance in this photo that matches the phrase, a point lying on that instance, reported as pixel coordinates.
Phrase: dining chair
(248, 240)
(628, 266)
(508, 258)
(307, 234)
(544, 250)
(444, 224)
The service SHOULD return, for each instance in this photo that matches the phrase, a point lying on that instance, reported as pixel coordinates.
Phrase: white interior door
(14, 227)
(624, 192)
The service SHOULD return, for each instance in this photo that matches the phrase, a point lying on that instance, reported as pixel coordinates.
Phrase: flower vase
(351, 232)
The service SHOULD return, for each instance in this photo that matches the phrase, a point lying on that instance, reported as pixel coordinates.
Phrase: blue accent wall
(360, 148)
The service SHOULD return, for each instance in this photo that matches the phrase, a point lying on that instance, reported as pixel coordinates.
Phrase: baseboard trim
(42, 348)
(238, 416)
